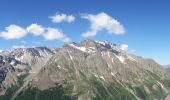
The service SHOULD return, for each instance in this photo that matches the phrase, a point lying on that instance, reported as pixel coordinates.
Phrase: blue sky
(146, 24)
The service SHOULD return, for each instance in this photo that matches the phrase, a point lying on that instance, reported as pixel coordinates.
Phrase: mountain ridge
(84, 69)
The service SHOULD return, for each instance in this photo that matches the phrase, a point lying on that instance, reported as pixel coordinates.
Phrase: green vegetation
(9, 93)
(166, 83)
(58, 93)
(152, 75)
(21, 79)
(32, 93)
(113, 91)
(140, 91)
(101, 90)
(168, 69)
(150, 89)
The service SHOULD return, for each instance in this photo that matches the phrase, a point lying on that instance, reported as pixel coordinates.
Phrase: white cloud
(124, 47)
(102, 21)
(1, 50)
(18, 46)
(17, 32)
(13, 32)
(57, 18)
(55, 34)
(47, 33)
(35, 29)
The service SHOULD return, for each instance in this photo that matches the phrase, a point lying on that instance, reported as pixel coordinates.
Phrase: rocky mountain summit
(91, 70)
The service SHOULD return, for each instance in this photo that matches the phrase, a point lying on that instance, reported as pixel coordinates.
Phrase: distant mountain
(91, 70)
(167, 66)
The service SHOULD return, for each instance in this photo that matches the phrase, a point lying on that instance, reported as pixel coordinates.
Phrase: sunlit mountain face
(80, 71)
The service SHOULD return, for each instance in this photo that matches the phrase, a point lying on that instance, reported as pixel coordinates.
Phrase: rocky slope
(90, 70)
(167, 68)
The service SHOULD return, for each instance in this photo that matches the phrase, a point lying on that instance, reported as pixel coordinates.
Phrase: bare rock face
(91, 69)
(19, 62)
(79, 63)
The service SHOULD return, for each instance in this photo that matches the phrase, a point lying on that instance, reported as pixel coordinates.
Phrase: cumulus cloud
(35, 29)
(99, 22)
(18, 46)
(47, 33)
(17, 32)
(124, 47)
(102, 21)
(55, 34)
(1, 50)
(13, 32)
(58, 18)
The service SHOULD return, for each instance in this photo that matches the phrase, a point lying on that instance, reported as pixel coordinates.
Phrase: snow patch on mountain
(79, 48)
(91, 50)
(17, 58)
(121, 59)
(83, 48)
(102, 77)
(112, 74)
(59, 66)
(131, 58)
(12, 62)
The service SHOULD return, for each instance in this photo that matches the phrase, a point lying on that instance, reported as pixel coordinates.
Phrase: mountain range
(90, 70)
